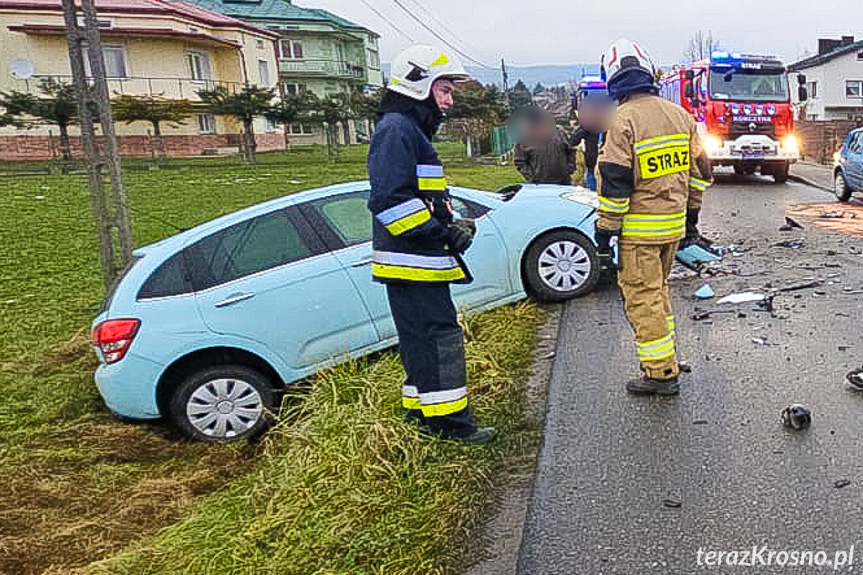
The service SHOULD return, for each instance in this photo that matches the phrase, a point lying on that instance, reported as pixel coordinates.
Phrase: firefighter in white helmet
(653, 171)
(417, 243)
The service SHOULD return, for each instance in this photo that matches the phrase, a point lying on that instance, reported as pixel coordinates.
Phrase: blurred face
(442, 90)
(596, 114)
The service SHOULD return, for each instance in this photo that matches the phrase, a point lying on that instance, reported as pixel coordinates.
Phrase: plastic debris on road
(704, 292)
(793, 244)
(695, 256)
(742, 297)
(796, 417)
(839, 484)
(790, 225)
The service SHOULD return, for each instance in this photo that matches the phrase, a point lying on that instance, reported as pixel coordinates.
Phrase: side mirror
(689, 91)
(801, 79)
(802, 93)
(690, 75)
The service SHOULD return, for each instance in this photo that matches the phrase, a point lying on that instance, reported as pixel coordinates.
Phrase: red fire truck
(743, 108)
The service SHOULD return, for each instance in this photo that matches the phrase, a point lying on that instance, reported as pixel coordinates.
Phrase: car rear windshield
(110, 295)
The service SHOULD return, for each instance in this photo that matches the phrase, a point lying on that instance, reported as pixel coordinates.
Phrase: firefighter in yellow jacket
(653, 171)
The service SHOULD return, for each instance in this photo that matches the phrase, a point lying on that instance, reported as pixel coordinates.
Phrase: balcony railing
(174, 88)
(336, 68)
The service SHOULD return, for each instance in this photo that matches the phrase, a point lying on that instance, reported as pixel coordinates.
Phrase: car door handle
(234, 298)
(361, 263)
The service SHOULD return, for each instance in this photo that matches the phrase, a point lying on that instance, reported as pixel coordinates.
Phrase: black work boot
(480, 436)
(648, 386)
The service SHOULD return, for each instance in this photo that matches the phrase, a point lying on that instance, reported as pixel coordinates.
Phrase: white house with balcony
(834, 80)
(165, 48)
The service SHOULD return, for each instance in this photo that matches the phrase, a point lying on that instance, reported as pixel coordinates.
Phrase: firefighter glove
(459, 236)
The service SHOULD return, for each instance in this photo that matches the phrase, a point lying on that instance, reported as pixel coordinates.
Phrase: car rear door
(272, 280)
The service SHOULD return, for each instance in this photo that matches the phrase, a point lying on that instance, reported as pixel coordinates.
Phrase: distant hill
(547, 75)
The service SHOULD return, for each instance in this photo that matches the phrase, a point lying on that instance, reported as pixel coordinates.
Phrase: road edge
(502, 531)
(808, 182)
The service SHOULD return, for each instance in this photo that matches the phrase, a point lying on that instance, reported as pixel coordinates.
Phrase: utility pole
(109, 211)
(505, 76)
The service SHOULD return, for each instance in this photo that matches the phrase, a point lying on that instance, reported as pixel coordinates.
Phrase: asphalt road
(609, 460)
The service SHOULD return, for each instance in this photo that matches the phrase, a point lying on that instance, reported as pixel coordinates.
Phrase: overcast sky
(577, 31)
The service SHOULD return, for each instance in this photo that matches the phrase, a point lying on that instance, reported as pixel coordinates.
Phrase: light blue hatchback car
(206, 327)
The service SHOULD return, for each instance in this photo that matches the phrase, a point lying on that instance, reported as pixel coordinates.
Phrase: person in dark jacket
(417, 243)
(591, 153)
(544, 155)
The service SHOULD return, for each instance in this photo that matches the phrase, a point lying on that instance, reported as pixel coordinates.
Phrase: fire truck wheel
(780, 173)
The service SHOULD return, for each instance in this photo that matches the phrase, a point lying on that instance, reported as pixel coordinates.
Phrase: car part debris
(790, 225)
(696, 255)
(797, 417)
(802, 285)
(855, 378)
(704, 292)
(842, 483)
(672, 503)
(760, 341)
(684, 367)
(832, 215)
(793, 244)
(699, 422)
(742, 297)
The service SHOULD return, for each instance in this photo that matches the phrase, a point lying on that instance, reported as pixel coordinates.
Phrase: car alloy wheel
(564, 266)
(224, 408)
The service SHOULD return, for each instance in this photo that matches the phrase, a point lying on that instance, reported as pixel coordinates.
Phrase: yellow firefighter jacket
(652, 170)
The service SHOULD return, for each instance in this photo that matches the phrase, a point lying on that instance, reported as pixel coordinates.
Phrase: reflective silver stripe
(429, 171)
(410, 391)
(396, 213)
(446, 396)
(415, 261)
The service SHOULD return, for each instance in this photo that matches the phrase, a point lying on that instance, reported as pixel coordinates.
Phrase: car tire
(222, 403)
(840, 187)
(780, 173)
(561, 265)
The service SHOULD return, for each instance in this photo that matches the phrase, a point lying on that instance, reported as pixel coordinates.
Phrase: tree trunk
(249, 139)
(65, 145)
(347, 128)
(469, 146)
(160, 142)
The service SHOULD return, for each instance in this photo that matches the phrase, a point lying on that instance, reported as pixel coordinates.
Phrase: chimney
(846, 40)
(827, 45)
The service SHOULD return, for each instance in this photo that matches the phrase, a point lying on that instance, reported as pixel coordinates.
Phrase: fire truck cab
(743, 107)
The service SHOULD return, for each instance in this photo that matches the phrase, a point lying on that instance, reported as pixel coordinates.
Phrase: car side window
(169, 279)
(348, 215)
(247, 248)
(856, 144)
(468, 209)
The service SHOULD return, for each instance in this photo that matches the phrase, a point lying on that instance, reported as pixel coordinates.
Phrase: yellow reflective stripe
(613, 206)
(654, 224)
(656, 349)
(671, 325)
(385, 271)
(411, 403)
(698, 184)
(409, 222)
(441, 61)
(675, 139)
(431, 184)
(440, 409)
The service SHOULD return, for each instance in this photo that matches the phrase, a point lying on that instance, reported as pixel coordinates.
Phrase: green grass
(79, 486)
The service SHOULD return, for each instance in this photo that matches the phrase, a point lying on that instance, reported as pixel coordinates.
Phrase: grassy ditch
(344, 486)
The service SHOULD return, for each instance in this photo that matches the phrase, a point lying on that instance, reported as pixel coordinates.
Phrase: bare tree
(701, 45)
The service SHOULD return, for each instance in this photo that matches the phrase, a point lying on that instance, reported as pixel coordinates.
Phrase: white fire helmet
(416, 68)
(625, 55)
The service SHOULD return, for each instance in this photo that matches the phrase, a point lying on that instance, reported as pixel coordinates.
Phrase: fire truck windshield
(748, 85)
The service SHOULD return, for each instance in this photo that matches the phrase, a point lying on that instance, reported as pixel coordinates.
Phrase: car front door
(345, 225)
(854, 162)
(271, 279)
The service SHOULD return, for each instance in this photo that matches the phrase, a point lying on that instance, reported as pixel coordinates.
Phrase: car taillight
(113, 338)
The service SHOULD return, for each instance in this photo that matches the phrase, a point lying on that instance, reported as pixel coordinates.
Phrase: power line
(434, 19)
(419, 21)
(387, 20)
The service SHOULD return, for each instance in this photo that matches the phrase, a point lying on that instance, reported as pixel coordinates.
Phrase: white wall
(830, 78)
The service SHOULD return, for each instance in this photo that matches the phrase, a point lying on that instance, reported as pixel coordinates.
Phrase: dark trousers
(431, 346)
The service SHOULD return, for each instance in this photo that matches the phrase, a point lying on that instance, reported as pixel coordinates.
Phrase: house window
(373, 58)
(813, 89)
(199, 66)
(271, 125)
(264, 72)
(259, 44)
(290, 49)
(115, 62)
(292, 88)
(206, 124)
(852, 89)
(301, 130)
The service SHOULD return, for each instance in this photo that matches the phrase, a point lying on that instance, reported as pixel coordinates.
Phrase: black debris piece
(673, 503)
(790, 225)
(842, 483)
(793, 244)
(796, 417)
